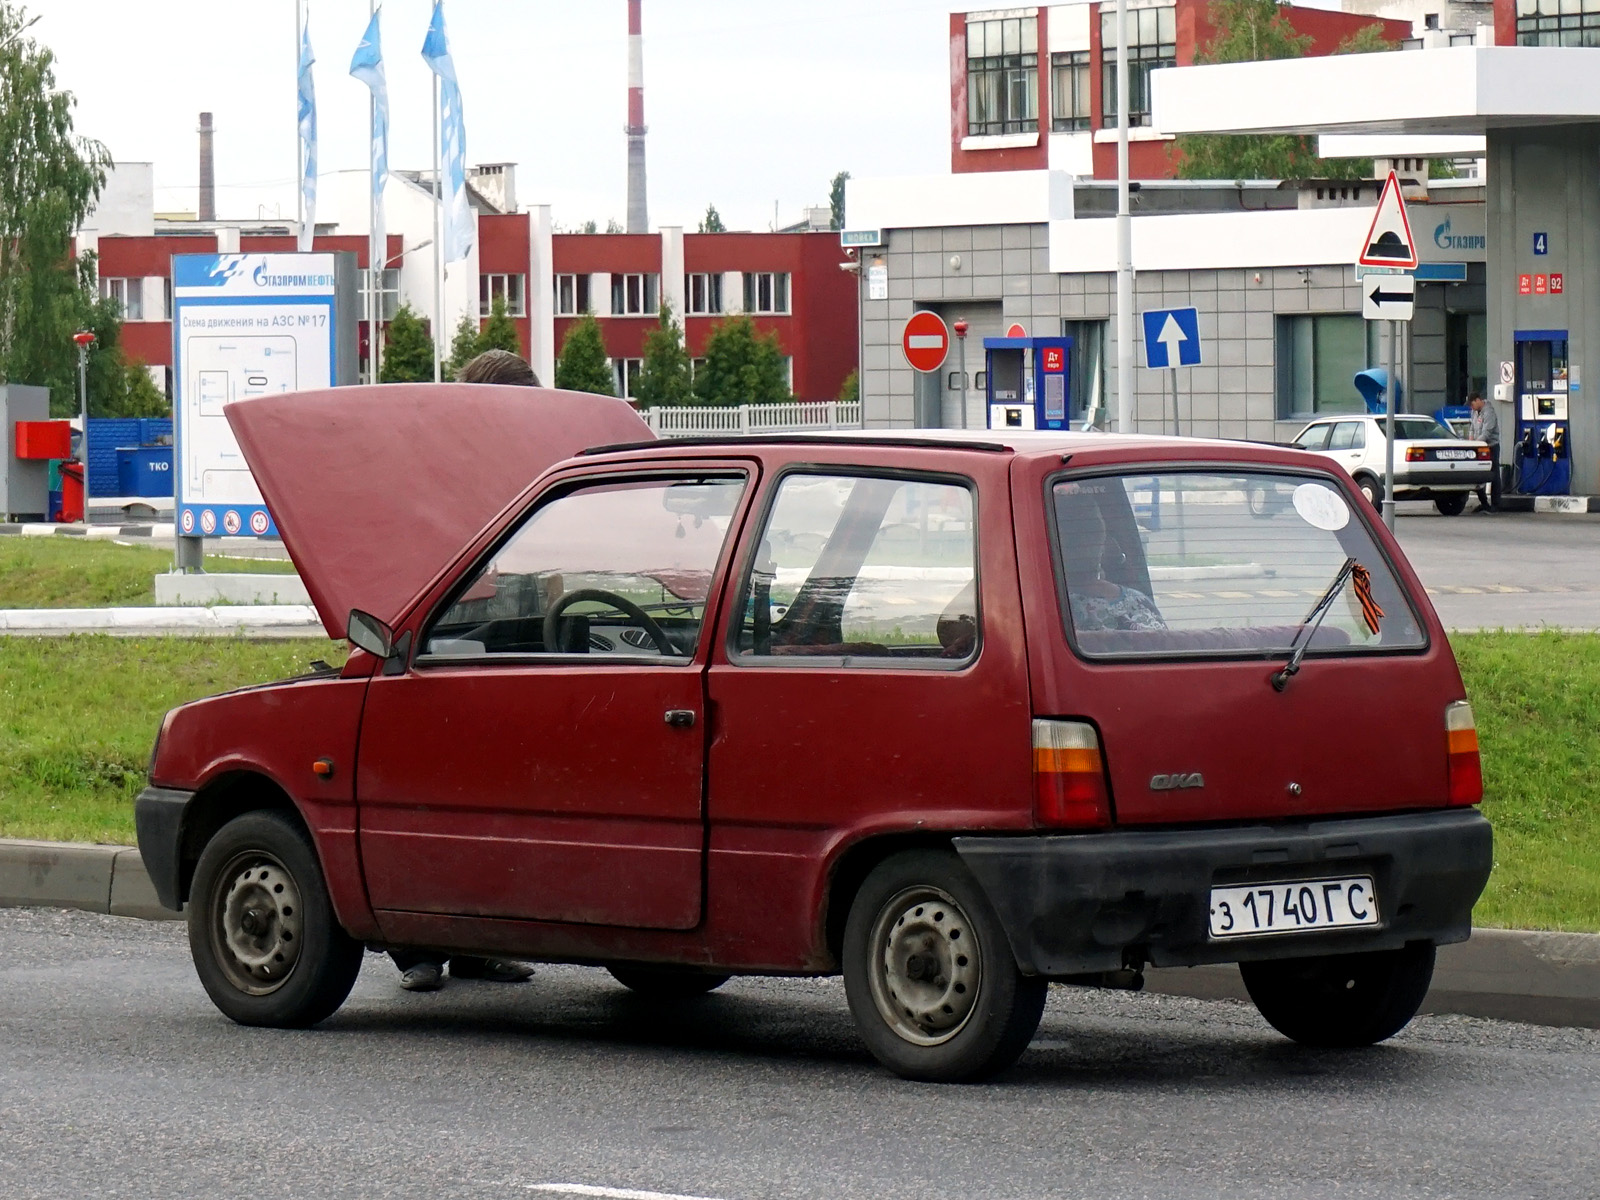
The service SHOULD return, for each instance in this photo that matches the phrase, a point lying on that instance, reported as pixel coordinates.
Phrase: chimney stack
(208, 175)
(638, 215)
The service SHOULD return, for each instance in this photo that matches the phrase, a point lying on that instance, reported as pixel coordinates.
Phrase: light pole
(84, 339)
(960, 327)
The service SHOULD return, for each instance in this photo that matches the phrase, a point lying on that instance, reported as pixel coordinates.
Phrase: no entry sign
(926, 340)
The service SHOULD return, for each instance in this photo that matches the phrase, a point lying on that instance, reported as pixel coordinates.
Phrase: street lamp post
(961, 364)
(84, 339)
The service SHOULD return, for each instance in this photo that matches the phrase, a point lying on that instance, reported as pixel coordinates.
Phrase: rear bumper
(1079, 903)
(1443, 478)
(158, 820)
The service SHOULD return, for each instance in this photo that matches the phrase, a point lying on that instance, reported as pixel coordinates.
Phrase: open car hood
(376, 489)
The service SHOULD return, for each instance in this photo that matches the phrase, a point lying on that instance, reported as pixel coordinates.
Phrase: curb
(1503, 974)
(232, 620)
(1570, 505)
(38, 529)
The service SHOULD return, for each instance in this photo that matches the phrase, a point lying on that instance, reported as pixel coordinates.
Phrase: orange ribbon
(1369, 607)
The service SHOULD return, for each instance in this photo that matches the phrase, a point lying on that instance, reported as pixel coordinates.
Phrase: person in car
(1097, 603)
(423, 970)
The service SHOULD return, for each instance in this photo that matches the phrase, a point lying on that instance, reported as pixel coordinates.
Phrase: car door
(1347, 445)
(542, 757)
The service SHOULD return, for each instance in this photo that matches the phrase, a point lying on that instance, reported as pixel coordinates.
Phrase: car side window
(1358, 439)
(1314, 437)
(619, 569)
(1346, 435)
(863, 570)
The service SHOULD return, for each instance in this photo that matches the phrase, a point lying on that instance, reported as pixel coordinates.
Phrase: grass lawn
(69, 572)
(77, 716)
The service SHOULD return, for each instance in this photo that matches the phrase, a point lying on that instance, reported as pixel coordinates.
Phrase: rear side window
(1220, 563)
(1314, 437)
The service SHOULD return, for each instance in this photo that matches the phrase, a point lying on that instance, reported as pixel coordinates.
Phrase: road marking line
(584, 1189)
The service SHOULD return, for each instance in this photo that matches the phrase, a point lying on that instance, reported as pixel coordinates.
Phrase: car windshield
(1415, 428)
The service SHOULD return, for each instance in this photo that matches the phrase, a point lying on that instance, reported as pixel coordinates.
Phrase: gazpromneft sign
(203, 275)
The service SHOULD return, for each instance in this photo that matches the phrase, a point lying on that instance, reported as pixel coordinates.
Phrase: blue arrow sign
(1171, 337)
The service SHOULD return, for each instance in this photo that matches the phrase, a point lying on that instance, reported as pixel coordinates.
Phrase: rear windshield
(1415, 428)
(1220, 563)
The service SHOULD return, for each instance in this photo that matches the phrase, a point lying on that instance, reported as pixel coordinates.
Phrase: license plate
(1305, 904)
(1458, 455)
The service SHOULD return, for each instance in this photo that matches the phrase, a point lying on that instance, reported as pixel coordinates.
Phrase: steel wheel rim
(256, 923)
(923, 965)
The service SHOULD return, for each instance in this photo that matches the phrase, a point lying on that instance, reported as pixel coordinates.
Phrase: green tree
(463, 347)
(1257, 31)
(613, 225)
(712, 221)
(138, 395)
(664, 371)
(588, 227)
(408, 350)
(582, 365)
(499, 331)
(51, 181)
(1369, 39)
(836, 200)
(850, 389)
(741, 366)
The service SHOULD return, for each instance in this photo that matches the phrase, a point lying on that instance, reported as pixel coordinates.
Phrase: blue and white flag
(460, 231)
(308, 140)
(367, 66)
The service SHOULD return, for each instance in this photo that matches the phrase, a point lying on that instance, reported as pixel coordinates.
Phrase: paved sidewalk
(1510, 975)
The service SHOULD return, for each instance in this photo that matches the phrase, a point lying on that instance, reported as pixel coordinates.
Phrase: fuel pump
(1029, 382)
(1544, 466)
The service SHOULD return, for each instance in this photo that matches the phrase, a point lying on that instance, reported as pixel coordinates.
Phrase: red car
(952, 715)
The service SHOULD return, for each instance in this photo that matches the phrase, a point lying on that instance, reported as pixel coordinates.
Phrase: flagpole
(377, 248)
(438, 242)
(299, 146)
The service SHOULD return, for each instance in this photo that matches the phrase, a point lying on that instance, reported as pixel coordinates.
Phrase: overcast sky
(748, 101)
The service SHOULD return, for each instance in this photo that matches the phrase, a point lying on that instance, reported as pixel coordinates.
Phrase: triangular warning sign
(1389, 242)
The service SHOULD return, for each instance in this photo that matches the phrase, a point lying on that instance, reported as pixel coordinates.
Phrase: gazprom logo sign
(296, 281)
(198, 275)
(1446, 240)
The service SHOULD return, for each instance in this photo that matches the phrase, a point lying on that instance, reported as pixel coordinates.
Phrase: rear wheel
(666, 983)
(265, 941)
(929, 973)
(1451, 504)
(1372, 488)
(1342, 999)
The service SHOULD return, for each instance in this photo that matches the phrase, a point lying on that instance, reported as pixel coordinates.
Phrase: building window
(1152, 44)
(1003, 76)
(766, 292)
(166, 297)
(1558, 22)
(389, 294)
(510, 288)
(625, 375)
(572, 295)
(634, 295)
(129, 295)
(1069, 91)
(703, 294)
(1317, 360)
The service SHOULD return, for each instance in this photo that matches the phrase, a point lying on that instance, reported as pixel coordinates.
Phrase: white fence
(797, 417)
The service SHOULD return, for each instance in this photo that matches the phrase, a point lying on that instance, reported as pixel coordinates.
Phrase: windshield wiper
(1298, 647)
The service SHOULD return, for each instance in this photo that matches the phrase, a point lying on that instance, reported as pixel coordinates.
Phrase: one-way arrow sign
(1388, 297)
(1171, 338)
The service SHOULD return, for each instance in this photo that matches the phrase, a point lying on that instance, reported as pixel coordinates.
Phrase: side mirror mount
(368, 633)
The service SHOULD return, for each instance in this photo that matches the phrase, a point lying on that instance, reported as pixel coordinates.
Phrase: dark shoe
(493, 970)
(1480, 510)
(424, 977)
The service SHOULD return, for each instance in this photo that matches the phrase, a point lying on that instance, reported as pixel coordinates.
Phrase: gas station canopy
(1461, 90)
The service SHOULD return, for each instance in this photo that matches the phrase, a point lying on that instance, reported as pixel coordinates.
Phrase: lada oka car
(952, 715)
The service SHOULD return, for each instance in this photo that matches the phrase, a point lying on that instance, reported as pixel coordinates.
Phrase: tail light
(1069, 776)
(1415, 454)
(1466, 769)
(1485, 454)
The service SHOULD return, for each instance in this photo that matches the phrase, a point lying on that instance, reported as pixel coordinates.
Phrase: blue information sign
(1171, 337)
(1541, 243)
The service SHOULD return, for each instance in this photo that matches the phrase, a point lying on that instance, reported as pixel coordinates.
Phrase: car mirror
(700, 499)
(368, 633)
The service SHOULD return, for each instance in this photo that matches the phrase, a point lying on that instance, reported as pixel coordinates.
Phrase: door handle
(680, 718)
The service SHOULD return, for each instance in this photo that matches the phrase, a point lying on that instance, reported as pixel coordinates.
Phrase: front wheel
(1342, 999)
(929, 973)
(1451, 504)
(265, 941)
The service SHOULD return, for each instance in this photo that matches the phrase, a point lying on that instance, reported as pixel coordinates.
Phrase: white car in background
(1430, 461)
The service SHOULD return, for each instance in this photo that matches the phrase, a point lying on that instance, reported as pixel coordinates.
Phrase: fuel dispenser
(1544, 464)
(1029, 382)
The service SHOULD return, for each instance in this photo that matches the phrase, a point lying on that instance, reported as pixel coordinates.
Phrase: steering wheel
(552, 619)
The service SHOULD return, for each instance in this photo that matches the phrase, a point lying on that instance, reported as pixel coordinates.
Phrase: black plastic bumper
(1079, 903)
(158, 818)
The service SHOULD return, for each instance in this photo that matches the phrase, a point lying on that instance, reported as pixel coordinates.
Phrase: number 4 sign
(1541, 243)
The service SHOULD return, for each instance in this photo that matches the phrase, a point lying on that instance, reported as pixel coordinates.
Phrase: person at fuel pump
(1486, 428)
(424, 970)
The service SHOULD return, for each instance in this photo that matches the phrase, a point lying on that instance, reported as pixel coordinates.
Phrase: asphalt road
(117, 1078)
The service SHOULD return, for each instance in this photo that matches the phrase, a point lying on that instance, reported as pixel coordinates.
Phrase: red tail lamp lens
(1069, 776)
(1461, 739)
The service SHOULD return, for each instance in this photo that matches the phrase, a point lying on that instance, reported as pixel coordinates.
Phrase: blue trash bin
(144, 470)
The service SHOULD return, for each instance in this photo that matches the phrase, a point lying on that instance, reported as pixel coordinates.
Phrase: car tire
(1372, 488)
(266, 943)
(1341, 1000)
(1451, 504)
(929, 973)
(666, 983)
